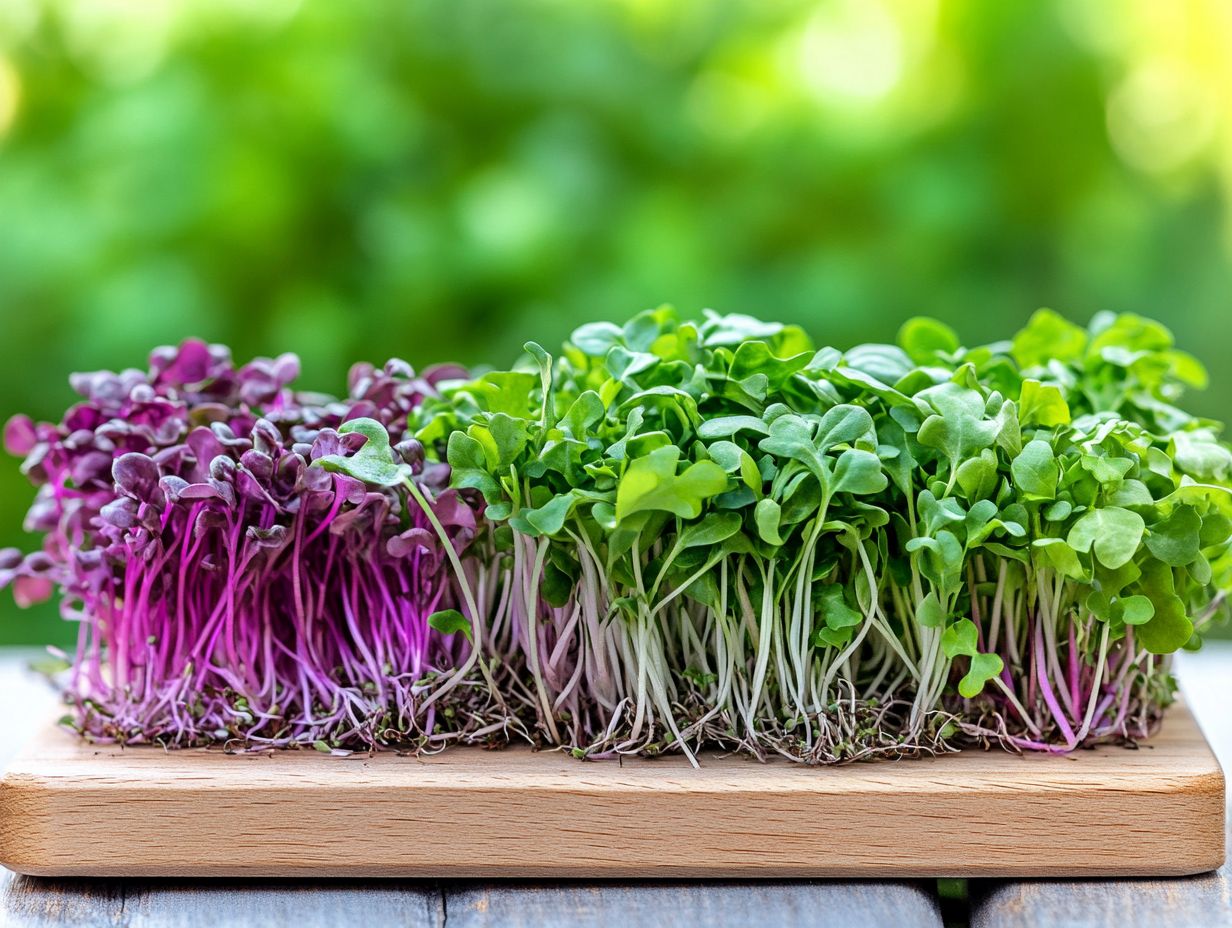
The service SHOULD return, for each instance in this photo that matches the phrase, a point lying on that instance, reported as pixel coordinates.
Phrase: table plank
(277, 904)
(26, 902)
(30, 902)
(1191, 902)
(689, 905)
(1183, 902)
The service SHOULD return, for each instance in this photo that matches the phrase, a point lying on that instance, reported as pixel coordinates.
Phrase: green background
(447, 178)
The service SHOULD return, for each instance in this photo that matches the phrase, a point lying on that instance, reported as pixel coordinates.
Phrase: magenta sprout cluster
(225, 589)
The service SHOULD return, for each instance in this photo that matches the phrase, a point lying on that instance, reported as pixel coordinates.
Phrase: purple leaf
(410, 541)
(199, 491)
(137, 475)
(122, 513)
(19, 436)
(28, 591)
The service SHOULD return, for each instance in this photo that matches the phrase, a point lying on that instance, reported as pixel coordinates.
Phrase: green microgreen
(721, 535)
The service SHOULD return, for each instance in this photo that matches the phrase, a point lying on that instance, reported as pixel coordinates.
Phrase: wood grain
(69, 809)
(677, 905)
(37, 902)
(34, 902)
(1189, 902)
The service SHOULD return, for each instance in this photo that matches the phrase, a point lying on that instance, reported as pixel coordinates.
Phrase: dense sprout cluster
(673, 536)
(226, 589)
(716, 534)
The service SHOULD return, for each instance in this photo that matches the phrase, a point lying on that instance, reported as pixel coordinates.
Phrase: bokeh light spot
(853, 50)
(10, 94)
(119, 41)
(1160, 117)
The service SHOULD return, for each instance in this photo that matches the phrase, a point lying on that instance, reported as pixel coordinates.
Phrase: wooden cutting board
(69, 809)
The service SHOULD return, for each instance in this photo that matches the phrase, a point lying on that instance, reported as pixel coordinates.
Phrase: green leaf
(843, 425)
(938, 513)
(1015, 554)
(1136, 610)
(557, 585)
(1187, 369)
(1062, 557)
(977, 477)
(595, 338)
(1042, 404)
(1107, 470)
(713, 529)
(767, 515)
(885, 363)
(756, 357)
(509, 437)
(791, 437)
(958, 429)
(651, 483)
(625, 365)
(583, 414)
(1100, 605)
(942, 558)
(837, 614)
(1176, 540)
(925, 339)
(1131, 493)
(699, 679)
(960, 639)
(929, 613)
(727, 426)
(1113, 533)
(1035, 471)
(825, 637)
(550, 518)
(704, 590)
(983, 668)
(374, 462)
(542, 360)
(510, 392)
(1216, 530)
(902, 467)
(1047, 337)
(469, 467)
(859, 472)
(1200, 454)
(1009, 435)
(1058, 511)
(1127, 331)
(1200, 571)
(50, 665)
(1114, 581)
(1170, 628)
(451, 622)
(735, 460)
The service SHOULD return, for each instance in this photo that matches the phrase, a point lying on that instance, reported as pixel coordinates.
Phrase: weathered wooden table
(1202, 902)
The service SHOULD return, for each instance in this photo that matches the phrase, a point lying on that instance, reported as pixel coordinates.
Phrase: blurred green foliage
(447, 178)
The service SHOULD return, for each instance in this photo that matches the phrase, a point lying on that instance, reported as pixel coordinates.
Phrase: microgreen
(670, 535)
(1005, 536)
(233, 577)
